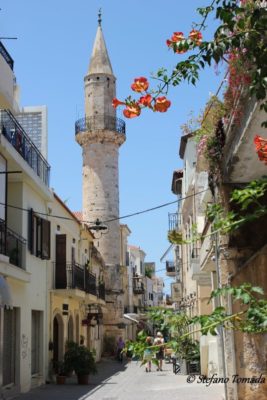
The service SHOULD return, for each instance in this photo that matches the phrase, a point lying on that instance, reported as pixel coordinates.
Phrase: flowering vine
(133, 107)
(239, 40)
(261, 148)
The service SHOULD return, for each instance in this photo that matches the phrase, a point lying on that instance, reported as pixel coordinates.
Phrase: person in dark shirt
(120, 347)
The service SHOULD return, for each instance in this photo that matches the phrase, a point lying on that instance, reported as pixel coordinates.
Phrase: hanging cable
(110, 220)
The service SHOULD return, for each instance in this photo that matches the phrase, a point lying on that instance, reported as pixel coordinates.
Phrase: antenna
(7, 38)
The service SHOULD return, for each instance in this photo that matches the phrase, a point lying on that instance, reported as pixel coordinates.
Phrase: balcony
(202, 278)
(4, 53)
(175, 222)
(240, 160)
(170, 268)
(169, 300)
(176, 291)
(206, 261)
(12, 245)
(19, 139)
(138, 288)
(99, 123)
(74, 276)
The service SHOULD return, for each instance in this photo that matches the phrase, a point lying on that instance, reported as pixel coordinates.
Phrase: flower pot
(61, 380)
(83, 379)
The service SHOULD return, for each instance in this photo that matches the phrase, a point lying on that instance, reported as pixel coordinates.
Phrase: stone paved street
(128, 382)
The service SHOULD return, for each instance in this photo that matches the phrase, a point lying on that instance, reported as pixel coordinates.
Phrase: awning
(5, 294)
(166, 253)
(139, 319)
(131, 317)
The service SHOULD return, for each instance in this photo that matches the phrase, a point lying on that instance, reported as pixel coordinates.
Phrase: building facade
(24, 247)
(77, 287)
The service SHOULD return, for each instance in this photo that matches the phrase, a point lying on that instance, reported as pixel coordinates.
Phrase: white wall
(7, 86)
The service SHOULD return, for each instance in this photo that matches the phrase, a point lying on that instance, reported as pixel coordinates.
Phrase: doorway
(58, 338)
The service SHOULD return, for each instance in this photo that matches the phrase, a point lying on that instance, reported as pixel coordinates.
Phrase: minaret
(100, 134)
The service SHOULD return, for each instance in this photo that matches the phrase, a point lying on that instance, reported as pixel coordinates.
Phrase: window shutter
(45, 239)
(30, 231)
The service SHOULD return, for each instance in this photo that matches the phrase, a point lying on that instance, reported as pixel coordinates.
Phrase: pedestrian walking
(148, 354)
(160, 353)
(120, 347)
(129, 352)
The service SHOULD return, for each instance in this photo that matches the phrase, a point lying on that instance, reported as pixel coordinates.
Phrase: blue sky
(55, 39)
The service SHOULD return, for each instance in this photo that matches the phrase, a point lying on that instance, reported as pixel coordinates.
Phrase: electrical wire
(110, 220)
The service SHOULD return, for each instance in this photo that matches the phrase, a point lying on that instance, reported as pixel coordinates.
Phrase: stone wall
(251, 350)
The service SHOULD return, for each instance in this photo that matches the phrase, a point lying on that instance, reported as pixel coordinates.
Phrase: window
(39, 236)
(127, 258)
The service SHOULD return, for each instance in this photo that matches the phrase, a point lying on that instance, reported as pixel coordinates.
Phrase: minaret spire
(100, 62)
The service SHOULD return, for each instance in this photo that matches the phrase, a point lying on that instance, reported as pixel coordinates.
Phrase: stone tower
(100, 134)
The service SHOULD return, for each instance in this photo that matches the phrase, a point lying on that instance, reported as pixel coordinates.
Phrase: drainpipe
(220, 328)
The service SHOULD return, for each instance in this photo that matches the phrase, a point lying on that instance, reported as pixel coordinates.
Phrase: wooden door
(61, 276)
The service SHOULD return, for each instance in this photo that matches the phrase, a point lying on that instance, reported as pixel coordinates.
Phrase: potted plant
(82, 361)
(61, 372)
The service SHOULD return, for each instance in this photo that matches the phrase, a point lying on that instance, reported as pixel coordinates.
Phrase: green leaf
(257, 289)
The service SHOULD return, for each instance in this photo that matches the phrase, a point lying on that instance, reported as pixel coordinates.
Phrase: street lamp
(98, 227)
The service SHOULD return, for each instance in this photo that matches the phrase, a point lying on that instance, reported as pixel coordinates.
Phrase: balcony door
(61, 276)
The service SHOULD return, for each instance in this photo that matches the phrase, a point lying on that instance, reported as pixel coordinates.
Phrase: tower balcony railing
(100, 122)
(19, 139)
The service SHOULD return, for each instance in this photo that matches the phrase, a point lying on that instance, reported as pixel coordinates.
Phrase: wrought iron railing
(12, 245)
(138, 288)
(90, 283)
(100, 122)
(6, 56)
(175, 221)
(19, 139)
(74, 276)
